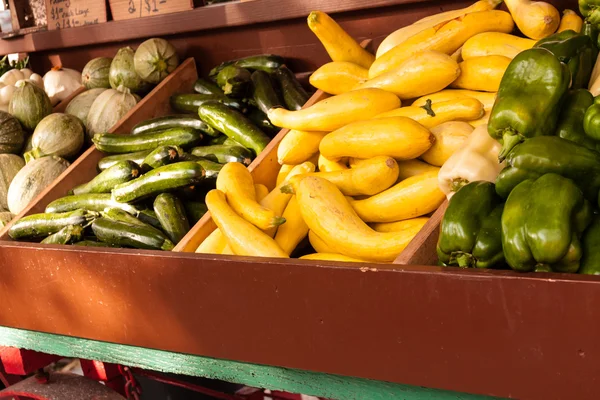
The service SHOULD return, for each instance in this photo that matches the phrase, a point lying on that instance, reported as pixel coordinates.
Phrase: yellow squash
(495, 44)
(461, 109)
(414, 225)
(283, 173)
(449, 137)
(330, 257)
(298, 146)
(339, 45)
(401, 35)
(213, 244)
(422, 73)
(481, 121)
(486, 98)
(408, 168)
(336, 111)
(318, 244)
(277, 200)
(457, 56)
(481, 73)
(370, 177)
(261, 191)
(327, 165)
(570, 21)
(235, 181)
(536, 19)
(447, 39)
(290, 234)
(329, 215)
(244, 238)
(338, 77)
(398, 137)
(413, 197)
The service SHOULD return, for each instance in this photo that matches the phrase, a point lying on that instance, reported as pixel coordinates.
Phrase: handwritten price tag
(127, 9)
(71, 13)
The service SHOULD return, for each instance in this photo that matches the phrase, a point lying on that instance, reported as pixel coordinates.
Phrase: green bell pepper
(590, 263)
(550, 154)
(470, 234)
(590, 11)
(576, 50)
(542, 223)
(591, 121)
(529, 98)
(570, 122)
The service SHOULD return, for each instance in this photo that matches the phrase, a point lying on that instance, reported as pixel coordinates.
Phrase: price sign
(127, 9)
(71, 13)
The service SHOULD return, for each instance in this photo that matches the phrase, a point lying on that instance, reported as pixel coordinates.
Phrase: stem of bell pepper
(510, 139)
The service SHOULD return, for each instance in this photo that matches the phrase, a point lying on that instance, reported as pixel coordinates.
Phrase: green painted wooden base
(262, 376)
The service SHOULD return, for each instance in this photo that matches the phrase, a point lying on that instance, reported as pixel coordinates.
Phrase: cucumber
(194, 210)
(294, 94)
(264, 93)
(68, 234)
(171, 214)
(234, 125)
(161, 156)
(92, 243)
(234, 81)
(218, 140)
(223, 154)
(174, 121)
(159, 180)
(149, 217)
(122, 171)
(264, 62)
(119, 233)
(90, 202)
(260, 119)
(42, 225)
(113, 143)
(190, 102)
(204, 86)
(137, 157)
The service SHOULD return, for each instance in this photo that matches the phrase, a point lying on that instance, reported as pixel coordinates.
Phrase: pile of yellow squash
(359, 169)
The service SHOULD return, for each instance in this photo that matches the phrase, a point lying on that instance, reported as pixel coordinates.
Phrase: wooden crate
(155, 104)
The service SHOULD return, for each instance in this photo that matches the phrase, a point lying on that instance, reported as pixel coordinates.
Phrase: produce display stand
(368, 331)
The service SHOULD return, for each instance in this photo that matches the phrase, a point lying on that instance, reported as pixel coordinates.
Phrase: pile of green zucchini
(147, 193)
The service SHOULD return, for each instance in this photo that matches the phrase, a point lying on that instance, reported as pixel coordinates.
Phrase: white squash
(60, 82)
(11, 77)
(9, 80)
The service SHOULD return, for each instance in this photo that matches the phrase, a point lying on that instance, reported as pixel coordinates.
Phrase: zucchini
(68, 234)
(119, 233)
(161, 156)
(231, 142)
(174, 121)
(264, 93)
(264, 62)
(90, 202)
(122, 171)
(218, 140)
(204, 86)
(149, 217)
(190, 102)
(114, 143)
(119, 215)
(42, 225)
(211, 168)
(92, 243)
(234, 125)
(108, 161)
(194, 210)
(260, 119)
(294, 95)
(159, 180)
(171, 214)
(223, 154)
(234, 81)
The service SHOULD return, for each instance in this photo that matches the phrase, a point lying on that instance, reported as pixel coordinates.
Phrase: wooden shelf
(199, 19)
